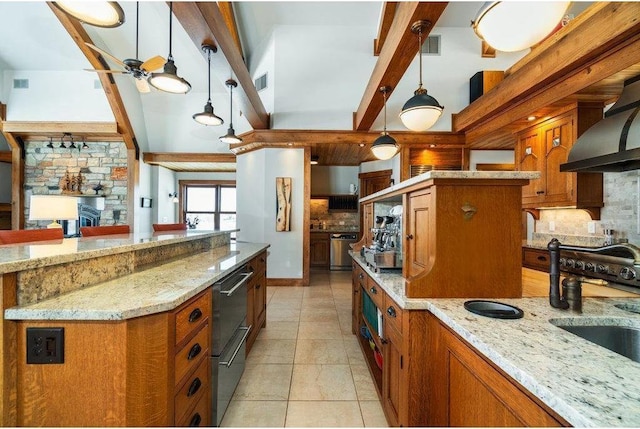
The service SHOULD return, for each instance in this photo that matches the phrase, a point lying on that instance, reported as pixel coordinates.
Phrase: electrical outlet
(45, 345)
(591, 227)
(552, 226)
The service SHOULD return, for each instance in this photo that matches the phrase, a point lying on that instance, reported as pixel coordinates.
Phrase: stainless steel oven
(229, 336)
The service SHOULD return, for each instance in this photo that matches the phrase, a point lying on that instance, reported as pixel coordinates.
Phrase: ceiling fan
(132, 66)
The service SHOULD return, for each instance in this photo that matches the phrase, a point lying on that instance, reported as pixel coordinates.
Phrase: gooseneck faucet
(555, 299)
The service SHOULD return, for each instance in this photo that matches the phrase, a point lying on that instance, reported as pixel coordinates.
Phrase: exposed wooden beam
(388, 13)
(399, 50)
(5, 156)
(205, 23)
(604, 30)
(226, 9)
(107, 129)
(17, 180)
(80, 36)
(158, 157)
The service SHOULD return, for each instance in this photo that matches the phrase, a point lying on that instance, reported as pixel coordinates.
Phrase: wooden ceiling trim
(205, 23)
(606, 28)
(386, 19)
(226, 9)
(396, 55)
(160, 157)
(36, 127)
(5, 156)
(80, 36)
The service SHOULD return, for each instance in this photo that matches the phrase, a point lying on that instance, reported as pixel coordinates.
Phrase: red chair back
(91, 231)
(169, 226)
(30, 235)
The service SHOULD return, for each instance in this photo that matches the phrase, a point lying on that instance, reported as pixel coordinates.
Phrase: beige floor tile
(288, 292)
(365, 388)
(317, 292)
(352, 347)
(320, 352)
(322, 383)
(268, 382)
(321, 301)
(345, 324)
(282, 314)
(277, 304)
(255, 414)
(373, 414)
(323, 414)
(318, 314)
(272, 351)
(279, 331)
(319, 330)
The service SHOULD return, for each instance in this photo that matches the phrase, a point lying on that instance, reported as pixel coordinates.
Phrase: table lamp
(53, 207)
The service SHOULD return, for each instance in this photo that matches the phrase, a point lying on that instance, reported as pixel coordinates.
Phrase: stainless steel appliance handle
(235, 353)
(237, 285)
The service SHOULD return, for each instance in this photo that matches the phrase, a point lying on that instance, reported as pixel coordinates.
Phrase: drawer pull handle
(195, 315)
(245, 277)
(195, 420)
(195, 351)
(409, 236)
(542, 258)
(391, 311)
(195, 386)
(361, 276)
(258, 286)
(373, 290)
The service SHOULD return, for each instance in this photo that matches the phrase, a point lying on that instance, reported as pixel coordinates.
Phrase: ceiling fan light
(510, 26)
(421, 111)
(107, 14)
(169, 81)
(384, 147)
(230, 137)
(208, 117)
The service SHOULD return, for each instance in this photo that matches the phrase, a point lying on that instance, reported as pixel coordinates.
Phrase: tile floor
(306, 369)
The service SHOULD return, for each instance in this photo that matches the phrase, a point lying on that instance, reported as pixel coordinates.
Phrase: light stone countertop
(162, 287)
(20, 257)
(442, 174)
(588, 385)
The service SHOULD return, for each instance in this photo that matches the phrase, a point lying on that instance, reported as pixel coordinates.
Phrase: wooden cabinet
(466, 390)
(537, 259)
(544, 148)
(257, 298)
(148, 371)
(419, 234)
(394, 392)
(357, 282)
(319, 249)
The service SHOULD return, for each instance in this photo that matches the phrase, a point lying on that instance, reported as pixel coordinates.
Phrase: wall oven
(229, 336)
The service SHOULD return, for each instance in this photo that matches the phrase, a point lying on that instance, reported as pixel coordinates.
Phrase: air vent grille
(20, 83)
(261, 82)
(424, 168)
(431, 45)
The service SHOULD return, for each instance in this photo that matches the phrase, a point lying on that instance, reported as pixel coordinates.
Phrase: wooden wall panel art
(283, 204)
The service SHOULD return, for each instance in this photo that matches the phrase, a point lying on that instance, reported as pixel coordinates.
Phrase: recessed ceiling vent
(431, 45)
(261, 82)
(20, 83)
(416, 170)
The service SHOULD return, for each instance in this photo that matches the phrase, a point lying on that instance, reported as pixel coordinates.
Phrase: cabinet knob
(540, 192)
(373, 290)
(195, 315)
(361, 276)
(409, 236)
(542, 258)
(391, 311)
(383, 341)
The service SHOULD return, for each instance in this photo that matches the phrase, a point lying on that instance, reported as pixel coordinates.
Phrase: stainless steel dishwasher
(339, 258)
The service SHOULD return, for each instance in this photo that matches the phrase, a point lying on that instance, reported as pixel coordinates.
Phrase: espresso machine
(385, 251)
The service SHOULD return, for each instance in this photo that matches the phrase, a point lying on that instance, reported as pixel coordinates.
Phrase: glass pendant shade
(107, 14)
(511, 26)
(168, 80)
(230, 137)
(384, 147)
(208, 117)
(421, 111)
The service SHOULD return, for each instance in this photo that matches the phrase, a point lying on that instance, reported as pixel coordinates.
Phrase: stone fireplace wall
(103, 163)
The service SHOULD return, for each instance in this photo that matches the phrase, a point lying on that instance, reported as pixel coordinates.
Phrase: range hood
(613, 144)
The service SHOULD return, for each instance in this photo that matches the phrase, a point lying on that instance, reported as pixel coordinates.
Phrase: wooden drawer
(190, 355)
(536, 259)
(258, 264)
(192, 315)
(375, 292)
(199, 416)
(194, 388)
(393, 314)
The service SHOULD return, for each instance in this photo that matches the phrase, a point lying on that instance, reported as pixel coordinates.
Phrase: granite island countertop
(587, 385)
(154, 289)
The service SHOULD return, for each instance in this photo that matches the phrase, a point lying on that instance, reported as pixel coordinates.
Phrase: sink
(623, 340)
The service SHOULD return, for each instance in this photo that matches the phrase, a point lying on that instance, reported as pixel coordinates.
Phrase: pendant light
(421, 111)
(107, 14)
(385, 146)
(168, 80)
(513, 26)
(207, 117)
(231, 137)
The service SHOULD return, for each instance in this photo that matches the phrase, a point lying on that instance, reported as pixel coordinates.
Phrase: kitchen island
(137, 316)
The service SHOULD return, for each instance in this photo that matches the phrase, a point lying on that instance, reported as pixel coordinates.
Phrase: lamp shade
(511, 26)
(384, 147)
(106, 14)
(53, 207)
(169, 81)
(421, 111)
(208, 117)
(230, 137)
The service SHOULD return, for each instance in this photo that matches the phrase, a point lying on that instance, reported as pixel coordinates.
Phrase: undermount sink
(623, 340)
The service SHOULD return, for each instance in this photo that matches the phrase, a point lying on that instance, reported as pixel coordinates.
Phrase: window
(209, 205)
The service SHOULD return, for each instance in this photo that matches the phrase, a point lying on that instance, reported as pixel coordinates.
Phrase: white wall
(164, 183)
(265, 64)
(392, 164)
(327, 180)
(256, 193)
(143, 217)
(490, 157)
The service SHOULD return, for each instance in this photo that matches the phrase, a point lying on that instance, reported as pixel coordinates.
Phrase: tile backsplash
(320, 214)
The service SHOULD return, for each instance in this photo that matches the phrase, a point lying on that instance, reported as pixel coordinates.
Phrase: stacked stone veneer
(102, 162)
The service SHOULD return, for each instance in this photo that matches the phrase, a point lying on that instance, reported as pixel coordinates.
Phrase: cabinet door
(251, 318)
(367, 223)
(420, 236)
(531, 158)
(393, 398)
(259, 304)
(558, 139)
(319, 250)
(357, 275)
